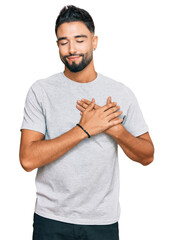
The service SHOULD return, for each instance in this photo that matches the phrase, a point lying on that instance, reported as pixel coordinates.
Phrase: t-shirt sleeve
(134, 121)
(33, 116)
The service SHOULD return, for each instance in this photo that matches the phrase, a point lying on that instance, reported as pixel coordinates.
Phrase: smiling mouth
(73, 58)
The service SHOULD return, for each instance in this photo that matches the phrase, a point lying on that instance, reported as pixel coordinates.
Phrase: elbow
(26, 165)
(150, 158)
(147, 161)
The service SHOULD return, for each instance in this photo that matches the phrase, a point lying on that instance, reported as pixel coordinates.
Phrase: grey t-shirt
(82, 186)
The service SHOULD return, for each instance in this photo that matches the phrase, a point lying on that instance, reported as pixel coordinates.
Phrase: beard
(86, 59)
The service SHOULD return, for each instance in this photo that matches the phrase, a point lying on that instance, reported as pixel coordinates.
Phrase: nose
(72, 48)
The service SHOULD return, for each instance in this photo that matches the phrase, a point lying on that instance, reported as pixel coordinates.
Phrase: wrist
(116, 131)
(80, 132)
(83, 130)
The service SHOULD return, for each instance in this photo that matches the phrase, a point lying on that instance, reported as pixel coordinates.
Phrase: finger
(107, 106)
(80, 108)
(116, 122)
(91, 105)
(84, 102)
(108, 100)
(112, 110)
(114, 115)
(114, 119)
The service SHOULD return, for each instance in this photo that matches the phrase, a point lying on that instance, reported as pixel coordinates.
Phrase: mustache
(73, 55)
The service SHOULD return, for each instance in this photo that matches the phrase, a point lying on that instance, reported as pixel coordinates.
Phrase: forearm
(137, 149)
(40, 153)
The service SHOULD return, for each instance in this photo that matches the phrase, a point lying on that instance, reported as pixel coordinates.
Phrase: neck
(88, 74)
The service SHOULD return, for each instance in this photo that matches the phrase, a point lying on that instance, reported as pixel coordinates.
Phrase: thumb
(91, 105)
(108, 100)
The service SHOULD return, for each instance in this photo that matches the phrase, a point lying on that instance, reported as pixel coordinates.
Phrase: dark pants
(48, 229)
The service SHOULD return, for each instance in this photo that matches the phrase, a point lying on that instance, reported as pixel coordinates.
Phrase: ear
(95, 42)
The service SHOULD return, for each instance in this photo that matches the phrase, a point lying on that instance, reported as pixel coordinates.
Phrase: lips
(73, 58)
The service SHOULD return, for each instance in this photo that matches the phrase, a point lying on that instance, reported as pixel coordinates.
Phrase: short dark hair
(70, 13)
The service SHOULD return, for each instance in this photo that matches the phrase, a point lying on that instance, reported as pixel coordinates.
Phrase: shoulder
(50, 80)
(40, 86)
(118, 86)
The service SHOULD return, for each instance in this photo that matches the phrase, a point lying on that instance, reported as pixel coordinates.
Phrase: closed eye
(67, 42)
(63, 43)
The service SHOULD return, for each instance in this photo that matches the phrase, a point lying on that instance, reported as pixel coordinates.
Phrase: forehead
(72, 29)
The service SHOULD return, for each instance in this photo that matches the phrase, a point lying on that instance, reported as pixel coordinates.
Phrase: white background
(135, 47)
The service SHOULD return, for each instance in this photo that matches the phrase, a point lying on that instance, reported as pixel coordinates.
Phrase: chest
(61, 113)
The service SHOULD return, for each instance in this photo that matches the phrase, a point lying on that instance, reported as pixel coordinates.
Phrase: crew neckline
(72, 82)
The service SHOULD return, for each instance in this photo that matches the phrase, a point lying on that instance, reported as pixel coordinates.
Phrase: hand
(84, 103)
(98, 120)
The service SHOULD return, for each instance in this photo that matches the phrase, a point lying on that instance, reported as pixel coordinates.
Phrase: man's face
(76, 44)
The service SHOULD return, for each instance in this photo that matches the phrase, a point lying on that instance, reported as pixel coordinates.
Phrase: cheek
(84, 47)
(63, 50)
(87, 49)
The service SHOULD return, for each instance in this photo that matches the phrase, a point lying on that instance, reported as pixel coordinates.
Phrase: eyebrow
(78, 36)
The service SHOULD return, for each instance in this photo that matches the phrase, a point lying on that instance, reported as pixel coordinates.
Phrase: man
(78, 174)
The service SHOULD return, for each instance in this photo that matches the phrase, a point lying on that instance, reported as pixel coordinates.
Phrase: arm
(36, 152)
(139, 149)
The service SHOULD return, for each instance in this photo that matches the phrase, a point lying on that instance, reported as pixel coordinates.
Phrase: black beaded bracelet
(83, 129)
